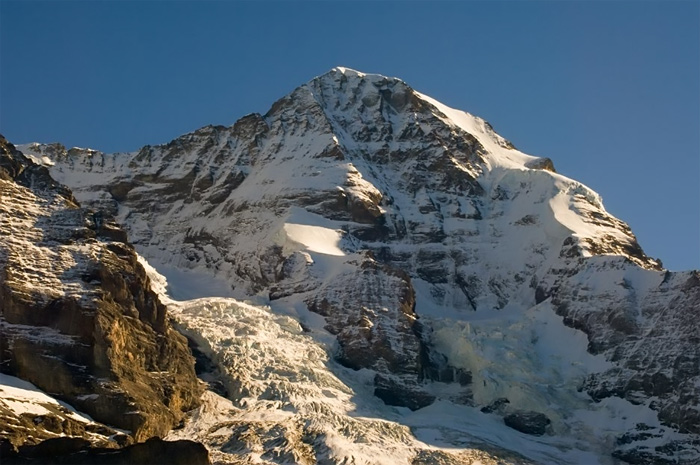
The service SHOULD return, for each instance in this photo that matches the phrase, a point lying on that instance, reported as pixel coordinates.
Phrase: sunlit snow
(315, 238)
(20, 397)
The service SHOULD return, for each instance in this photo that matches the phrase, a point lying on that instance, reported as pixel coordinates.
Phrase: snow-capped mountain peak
(421, 251)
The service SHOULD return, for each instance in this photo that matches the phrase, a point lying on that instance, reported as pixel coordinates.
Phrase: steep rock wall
(77, 316)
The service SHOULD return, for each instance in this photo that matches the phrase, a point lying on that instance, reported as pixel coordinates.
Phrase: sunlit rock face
(445, 263)
(77, 316)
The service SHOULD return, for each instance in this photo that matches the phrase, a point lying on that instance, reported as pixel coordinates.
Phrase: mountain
(364, 270)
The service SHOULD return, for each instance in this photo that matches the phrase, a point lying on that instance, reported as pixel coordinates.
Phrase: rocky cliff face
(636, 332)
(77, 316)
(432, 247)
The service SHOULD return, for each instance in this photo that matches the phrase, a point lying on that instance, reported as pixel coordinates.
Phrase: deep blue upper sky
(609, 90)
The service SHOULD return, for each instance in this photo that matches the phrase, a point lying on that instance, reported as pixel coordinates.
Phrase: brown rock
(77, 316)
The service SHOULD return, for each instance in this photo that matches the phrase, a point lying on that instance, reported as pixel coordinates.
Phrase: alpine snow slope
(379, 278)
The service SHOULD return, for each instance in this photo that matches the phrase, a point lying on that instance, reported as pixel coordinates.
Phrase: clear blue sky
(609, 90)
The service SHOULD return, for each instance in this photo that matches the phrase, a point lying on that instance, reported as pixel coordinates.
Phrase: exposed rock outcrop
(534, 423)
(370, 310)
(77, 316)
(649, 330)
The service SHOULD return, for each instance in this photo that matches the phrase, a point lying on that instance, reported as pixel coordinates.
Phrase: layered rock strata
(77, 316)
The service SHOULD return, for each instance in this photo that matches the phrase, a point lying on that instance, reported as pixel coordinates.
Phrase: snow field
(23, 397)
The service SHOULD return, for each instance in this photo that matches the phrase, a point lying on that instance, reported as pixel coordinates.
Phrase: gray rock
(534, 423)
(496, 406)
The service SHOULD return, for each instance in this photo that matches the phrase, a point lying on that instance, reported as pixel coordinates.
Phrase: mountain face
(395, 241)
(78, 320)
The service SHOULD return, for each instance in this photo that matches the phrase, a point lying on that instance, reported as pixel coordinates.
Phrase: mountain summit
(408, 253)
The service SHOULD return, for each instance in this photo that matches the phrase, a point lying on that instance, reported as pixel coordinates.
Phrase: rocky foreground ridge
(78, 320)
(435, 252)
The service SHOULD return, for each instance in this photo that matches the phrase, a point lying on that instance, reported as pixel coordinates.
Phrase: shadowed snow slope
(397, 249)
